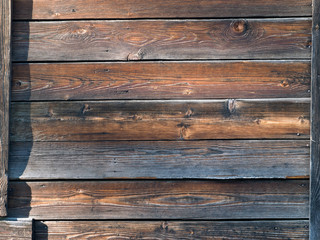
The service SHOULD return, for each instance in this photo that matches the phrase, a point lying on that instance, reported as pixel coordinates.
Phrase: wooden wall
(161, 119)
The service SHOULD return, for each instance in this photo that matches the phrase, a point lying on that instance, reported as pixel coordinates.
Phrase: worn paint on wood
(5, 72)
(315, 128)
(216, 230)
(78, 9)
(160, 120)
(276, 199)
(16, 230)
(162, 39)
(161, 80)
(178, 160)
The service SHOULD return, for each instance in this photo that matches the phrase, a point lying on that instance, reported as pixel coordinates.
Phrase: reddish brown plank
(216, 230)
(78, 9)
(162, 39)
(16, 230)
(161, 80)
(181, 159)
(5, 78)
(160, 199)
(160, 120)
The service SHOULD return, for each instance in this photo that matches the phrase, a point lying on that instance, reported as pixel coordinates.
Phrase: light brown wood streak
(171, 230)
(161, 80)
(158, 159)
(160, 120)
(78, 9)
(162, 39)
(159, 199)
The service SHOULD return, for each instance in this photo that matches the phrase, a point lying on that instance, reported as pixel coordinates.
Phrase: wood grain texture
(263, 230)
(160, 120)
(78, 9)
(161, 80)
(5, 74)
(178, 160)
(159, 199)
(16, 230)
(162, 39)
(315, 127)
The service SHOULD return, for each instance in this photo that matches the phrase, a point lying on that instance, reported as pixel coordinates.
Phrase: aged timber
(160, 120)
(158, 159)
(5, 72)
(157, 230)
(78, 9)
(161, 80)
(16, 230)
(315, 127)
(153, 199)
(162, 39)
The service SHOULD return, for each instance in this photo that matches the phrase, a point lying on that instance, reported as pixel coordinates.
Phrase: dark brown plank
(5, 72)
(315, 127)
(162, 39)
(181, 159)
(272, 230)
(160, 120)
(160, 199)
(16, 230)
(78, 9)
(161, 80)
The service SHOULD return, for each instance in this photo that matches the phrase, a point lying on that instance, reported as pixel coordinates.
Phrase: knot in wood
(239, 26)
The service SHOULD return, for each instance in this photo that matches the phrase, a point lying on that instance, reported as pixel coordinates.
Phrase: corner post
(5, 74)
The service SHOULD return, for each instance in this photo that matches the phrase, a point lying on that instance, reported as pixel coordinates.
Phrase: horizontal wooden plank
(78, 9)
(15, 230)
(161, 39)
(159, 199)
(160, 120)
(181, 159)
(161, 80)
(245, 230)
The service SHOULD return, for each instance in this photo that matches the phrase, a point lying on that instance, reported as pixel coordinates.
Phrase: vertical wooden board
(16, 230)
(5, 52)
(315, 127)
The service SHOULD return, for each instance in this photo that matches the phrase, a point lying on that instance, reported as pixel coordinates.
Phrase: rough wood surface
(252, 199)
(16, 230)
(160, 120)
(315, 128)
(181, 159)
(5, 72)
(78, 9)
(162, 39)
(161, 80)
(217, 230)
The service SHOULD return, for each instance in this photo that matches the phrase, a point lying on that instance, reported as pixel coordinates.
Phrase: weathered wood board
(160, 120)
(154, 199)
(157, 159)
(161, 80)
(315, 127)
(16, 230)
(78, 9)
(162, 39)
(216, 230)
(5, 74)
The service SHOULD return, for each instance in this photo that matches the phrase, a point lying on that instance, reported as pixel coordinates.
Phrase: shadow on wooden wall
(18, 160)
